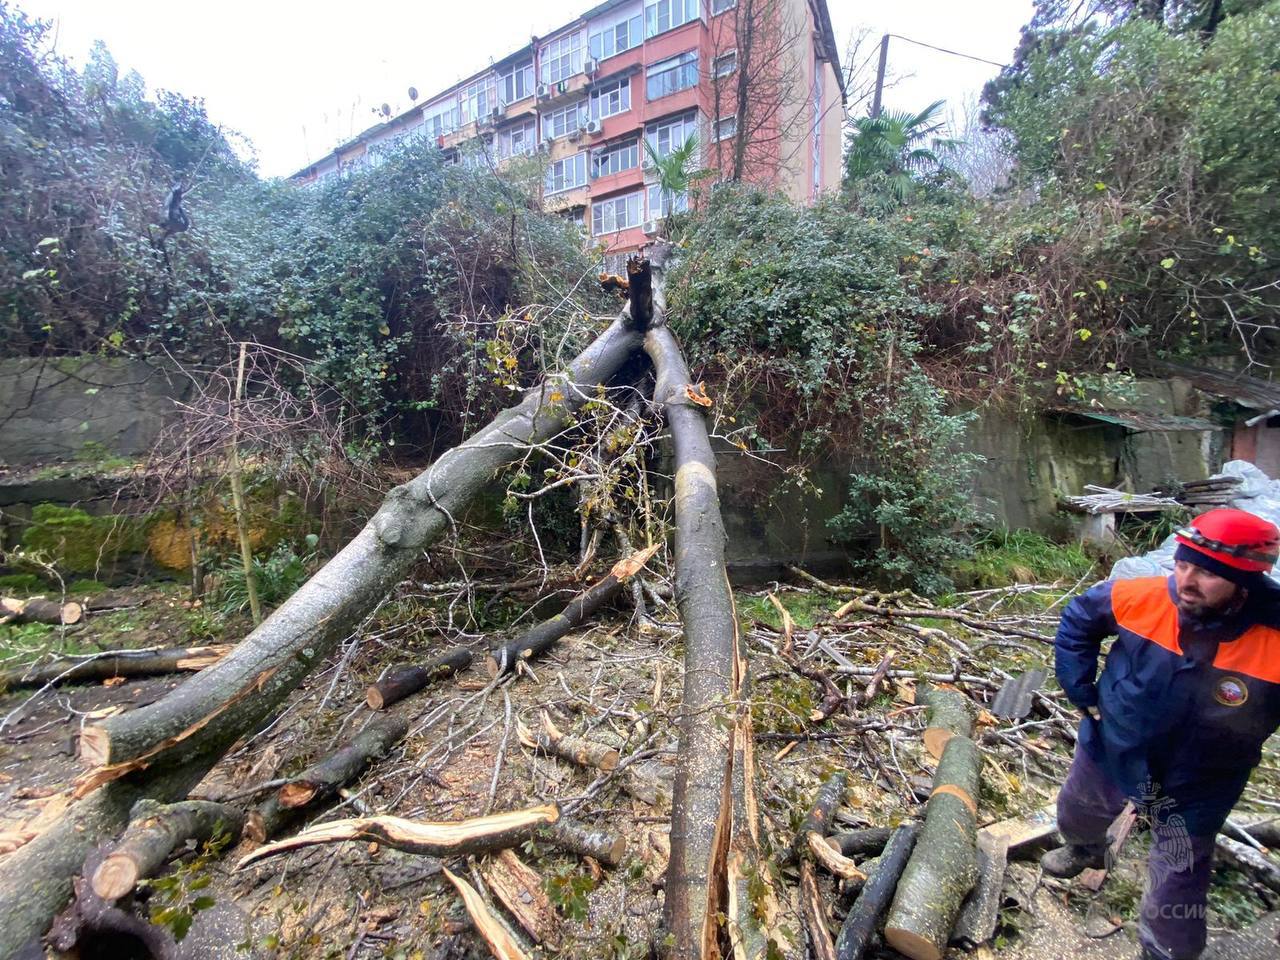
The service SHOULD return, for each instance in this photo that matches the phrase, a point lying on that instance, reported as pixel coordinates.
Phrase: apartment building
(759, 83)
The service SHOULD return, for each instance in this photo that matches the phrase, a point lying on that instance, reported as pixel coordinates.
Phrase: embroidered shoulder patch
(1231, 692)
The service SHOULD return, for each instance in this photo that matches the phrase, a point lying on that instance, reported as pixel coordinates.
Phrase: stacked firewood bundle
(1204, 494)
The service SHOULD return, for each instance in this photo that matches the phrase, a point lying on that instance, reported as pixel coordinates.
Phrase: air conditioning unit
(591, 126)
(590, 66)
(651, 228)
(495, 113)
(543, 91)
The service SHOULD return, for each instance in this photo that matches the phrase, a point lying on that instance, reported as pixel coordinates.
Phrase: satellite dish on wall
(413, 94)
(386, 109)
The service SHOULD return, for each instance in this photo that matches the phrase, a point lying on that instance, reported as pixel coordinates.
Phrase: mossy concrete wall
(83, 408)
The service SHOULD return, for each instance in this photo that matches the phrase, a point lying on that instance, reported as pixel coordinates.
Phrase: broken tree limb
(701, 820)
(599, 845)
(115, 663)
(814, 909)
(40, 610)
(981, 911)
(445, 839)
(818, 819)
(541, 638)
(320, 781)
(1248, 860)
(576, 750)
(500, 942)
(860, 923)
(835, 862)
(867, 842)
(944, 865)
(304, 630)
(949, 714)
(519, 888)
(404, 681)
(155, 831)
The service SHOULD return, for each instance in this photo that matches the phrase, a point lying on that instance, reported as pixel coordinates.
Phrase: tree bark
(818, 820)
(599, 845)
(814, 909)
(538, 640)
(155, 831)
(404, 681)
(40, 610)
(944, 865)
(246, 687)
(860, 923)
(701, 819)
(320, 781)
(119, 663)
(446, 839)
(520, 889)
(499, 940)
(981, 912)
(1248, 860)
(867, 842)
(949, 714)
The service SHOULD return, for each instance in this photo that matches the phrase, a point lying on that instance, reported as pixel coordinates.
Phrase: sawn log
(117, 663)
(406, 680)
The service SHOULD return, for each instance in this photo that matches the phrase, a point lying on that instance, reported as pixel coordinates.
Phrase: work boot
(1069, 861)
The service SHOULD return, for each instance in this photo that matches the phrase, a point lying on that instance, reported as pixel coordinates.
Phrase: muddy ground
(617, 683)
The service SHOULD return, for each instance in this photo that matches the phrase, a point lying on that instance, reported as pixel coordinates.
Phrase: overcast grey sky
(298, 78)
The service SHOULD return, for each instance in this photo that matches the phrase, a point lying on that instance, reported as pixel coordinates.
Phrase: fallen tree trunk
(860, 923)
(177, 739)
(320, 781)
(981, 912)
(400, 682)
(40, 610)
(242, 690)
(867, 842)
(944, 865)
(155, 831)
(701, 820)
(599, 845)
(116, 663)
(818, 820)
(949, 714)
(1248, 860)
(445, 839)
(538, 640)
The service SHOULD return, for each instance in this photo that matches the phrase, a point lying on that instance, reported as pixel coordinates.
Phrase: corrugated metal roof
(1137, 420)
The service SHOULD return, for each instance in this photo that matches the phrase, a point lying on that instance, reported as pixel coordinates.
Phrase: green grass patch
(21, 584)
(805, 608)
(1002, 557)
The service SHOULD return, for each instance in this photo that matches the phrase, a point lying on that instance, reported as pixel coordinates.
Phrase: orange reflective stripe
(1255, 653)
(1143, 607)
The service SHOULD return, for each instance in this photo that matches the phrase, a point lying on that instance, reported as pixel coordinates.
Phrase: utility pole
(884, 61)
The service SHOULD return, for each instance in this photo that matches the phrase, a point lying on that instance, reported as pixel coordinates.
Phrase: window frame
(529, 139)
(679, 203)
(566, 48)
(611, 204)
(717, 128)
(690, 10)
(682, 66)
(551, 189)
(635, 37)
(716, 70)
(575, 108)
(452, 109)
(480, 96)
(611, 151)
(620, 86)
(688, 120)
(508, 82)
(722, 6)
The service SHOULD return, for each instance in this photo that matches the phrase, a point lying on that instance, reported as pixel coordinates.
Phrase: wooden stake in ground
(40, 610)
(404, 681)
(944, 865)
(175, 741)
(538, 640)
(860, 923)
(949, 714)
(116, 663)
(320, 781)
(701, 820)
(155, 831)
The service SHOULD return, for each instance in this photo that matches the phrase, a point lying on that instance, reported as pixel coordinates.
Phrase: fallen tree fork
(404, 681)
(155, 831)
(181, 736)
(944, 865)
(702, 823)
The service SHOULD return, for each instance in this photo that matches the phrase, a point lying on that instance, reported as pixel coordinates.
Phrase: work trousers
(1171, 920)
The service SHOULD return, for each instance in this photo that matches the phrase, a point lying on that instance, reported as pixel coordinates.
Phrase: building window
(517, 84)
(562, 122)
(615, 159)
(517, 140)
(440, 119)
(615, 263)
(664, 15)
(616, 213)
(663, 204)
(672, 75)
(615, 39)
(567, 173)
(671, 134)
(726, 63)
(720, 6)
(578, 217)
(478, 99)
(611, 98)
(562, 58)
(726, 127)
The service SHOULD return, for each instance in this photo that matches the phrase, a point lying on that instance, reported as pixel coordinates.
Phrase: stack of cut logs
(1204, 494)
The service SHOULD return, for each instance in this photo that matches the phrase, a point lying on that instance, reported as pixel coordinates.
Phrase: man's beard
(1196, 609)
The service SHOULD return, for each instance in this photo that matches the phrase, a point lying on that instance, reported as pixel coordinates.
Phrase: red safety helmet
(1235, 537)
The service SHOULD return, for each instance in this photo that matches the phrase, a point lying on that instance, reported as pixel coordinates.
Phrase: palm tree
(898, 146)
(673, 170)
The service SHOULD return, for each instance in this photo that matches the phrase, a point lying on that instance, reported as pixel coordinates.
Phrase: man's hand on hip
(1094, 712)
